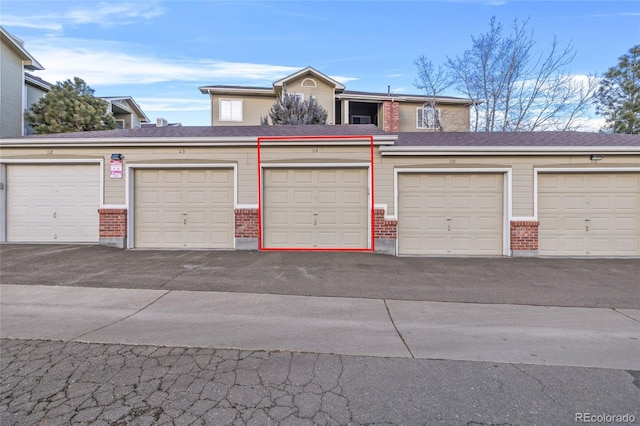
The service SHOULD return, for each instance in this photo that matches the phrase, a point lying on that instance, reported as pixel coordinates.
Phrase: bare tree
(433, 81)
(515, 89)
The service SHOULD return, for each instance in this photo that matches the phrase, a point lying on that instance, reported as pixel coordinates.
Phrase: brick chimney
(391, 116)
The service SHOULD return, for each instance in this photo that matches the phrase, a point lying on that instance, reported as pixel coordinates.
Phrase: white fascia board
(196, 141)
(237, 91)
(506, 150)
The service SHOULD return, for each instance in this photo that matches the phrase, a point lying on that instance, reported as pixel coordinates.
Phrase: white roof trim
(313, 71)
(505, 150)
(32, 63)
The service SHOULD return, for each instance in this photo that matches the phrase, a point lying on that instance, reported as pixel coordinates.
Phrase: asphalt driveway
(606, 283)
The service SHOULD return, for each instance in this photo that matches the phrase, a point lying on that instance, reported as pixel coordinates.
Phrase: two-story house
(15, 93)
(242, 105)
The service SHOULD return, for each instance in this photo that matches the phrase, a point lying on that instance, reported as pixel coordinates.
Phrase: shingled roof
(405, 140)
(510, 139)
(224, 131)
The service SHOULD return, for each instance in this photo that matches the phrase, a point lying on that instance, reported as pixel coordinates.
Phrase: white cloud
(342, 79)
(104, 14)
(104, 63)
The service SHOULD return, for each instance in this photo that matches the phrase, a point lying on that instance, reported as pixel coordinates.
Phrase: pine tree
(289, 109)
(618, 97)
(70, 107)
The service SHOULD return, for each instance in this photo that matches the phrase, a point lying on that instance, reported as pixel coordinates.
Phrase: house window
(427, 117)
(300, 96)
(230, 109)
(360, 119)
(119, 124)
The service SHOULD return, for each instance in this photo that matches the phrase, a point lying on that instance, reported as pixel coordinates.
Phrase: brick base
(524, 238)
(246, 229)
(113, 227)
(385, 233)
(246, 223)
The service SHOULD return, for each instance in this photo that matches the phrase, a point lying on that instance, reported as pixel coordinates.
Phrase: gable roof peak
(309, 70)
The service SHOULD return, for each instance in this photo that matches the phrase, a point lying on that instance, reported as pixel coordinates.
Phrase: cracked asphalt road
(57, 383)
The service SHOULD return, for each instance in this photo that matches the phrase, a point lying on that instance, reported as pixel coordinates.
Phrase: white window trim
(120, 120)
(220, 117)
(308, 82)
(419, 122)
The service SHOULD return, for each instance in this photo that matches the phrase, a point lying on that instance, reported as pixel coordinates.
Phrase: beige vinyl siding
(453, 118)
(253, 108)
(12, 82)
(324, 94)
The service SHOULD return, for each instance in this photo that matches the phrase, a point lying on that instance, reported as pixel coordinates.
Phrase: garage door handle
(55, 215)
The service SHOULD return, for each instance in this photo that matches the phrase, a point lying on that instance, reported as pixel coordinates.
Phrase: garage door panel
(304, 218)
(53, 203)
(459, 213)
(460, 202)
(433, 202)
(184, 208)
(589, 214)
(324, 208)
(302, 239)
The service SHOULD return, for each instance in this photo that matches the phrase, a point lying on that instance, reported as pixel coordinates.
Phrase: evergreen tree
(289, 109)
(70, 107)
(618, 97)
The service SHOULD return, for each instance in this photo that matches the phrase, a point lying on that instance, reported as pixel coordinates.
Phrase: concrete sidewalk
(583, 337)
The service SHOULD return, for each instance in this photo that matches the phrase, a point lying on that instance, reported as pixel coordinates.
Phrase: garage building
(351, 187)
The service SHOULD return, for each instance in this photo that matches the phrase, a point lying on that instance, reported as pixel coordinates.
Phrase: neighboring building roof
(129, 100)
(37, 82)
(29, 61)
(510, 139)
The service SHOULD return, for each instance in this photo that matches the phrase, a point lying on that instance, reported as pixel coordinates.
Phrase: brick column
(524, 238)
(391, 116)
(113, 227)
(246, 229)
(385, 233)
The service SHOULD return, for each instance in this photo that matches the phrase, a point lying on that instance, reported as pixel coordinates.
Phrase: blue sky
(160, 52)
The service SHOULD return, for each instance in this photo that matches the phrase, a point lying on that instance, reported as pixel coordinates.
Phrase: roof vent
(161, 122)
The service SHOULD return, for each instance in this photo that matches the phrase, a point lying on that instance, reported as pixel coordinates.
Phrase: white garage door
(589, 214)
(450, 214)
(316, 208)
(53, 203)
(184, 208)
